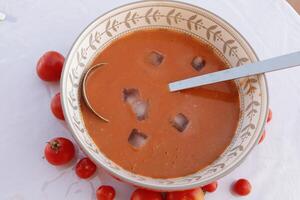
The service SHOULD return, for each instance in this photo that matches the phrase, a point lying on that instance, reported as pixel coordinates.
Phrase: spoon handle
(273, 64)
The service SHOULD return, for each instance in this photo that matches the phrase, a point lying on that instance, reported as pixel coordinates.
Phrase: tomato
(85, 168)
(56, 107)
(142, 194)
(105, 192)
(242, 187)
(194, 194)
(59, 151)
(262, 137)
(50, 65)
(210, 187)
(270, 115)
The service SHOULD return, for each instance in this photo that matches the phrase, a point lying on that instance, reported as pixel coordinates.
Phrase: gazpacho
(152, 131)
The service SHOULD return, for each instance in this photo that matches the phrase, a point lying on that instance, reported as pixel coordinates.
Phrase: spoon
(273, 64)
(85, 98)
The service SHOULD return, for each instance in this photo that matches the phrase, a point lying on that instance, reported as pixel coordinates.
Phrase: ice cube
(155, 58)
(137, 105)
(137, 139)
(131, 95)
(198, 63)
(140, 108)
(180, 122)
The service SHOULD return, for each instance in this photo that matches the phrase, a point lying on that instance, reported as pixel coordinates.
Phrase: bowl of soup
(154, 138)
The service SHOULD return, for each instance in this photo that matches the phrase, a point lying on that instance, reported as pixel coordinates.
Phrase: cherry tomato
(59, 151)
(142, 194)
(105, 192)
(56, 107)
(270, 115)
(194, 194)
(242, 187)
(85, 168)
(262, 137)
(210, 187)
(50, 65)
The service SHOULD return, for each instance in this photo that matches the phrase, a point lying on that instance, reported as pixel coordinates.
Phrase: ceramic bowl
(190, 19)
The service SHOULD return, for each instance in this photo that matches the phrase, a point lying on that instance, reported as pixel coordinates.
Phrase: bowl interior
(200, 23)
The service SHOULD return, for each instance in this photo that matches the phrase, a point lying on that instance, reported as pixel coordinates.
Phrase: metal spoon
(273, 64)
(85, 98)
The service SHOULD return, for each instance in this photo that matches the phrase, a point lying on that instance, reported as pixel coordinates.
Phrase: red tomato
(142, 194)
(242, 187)
(59, 151)
(262, 137)
(270, 115)
(56, 107)
(50, 65)
(194, 194)
(105, 192)
(85, 168)
(210, 187)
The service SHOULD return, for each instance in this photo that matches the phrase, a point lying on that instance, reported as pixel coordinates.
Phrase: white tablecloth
(26, 122)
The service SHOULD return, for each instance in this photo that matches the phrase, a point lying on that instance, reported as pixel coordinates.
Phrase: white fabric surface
(26, 122)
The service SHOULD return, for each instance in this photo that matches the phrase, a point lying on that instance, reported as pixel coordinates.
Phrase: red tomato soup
(152, 131)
